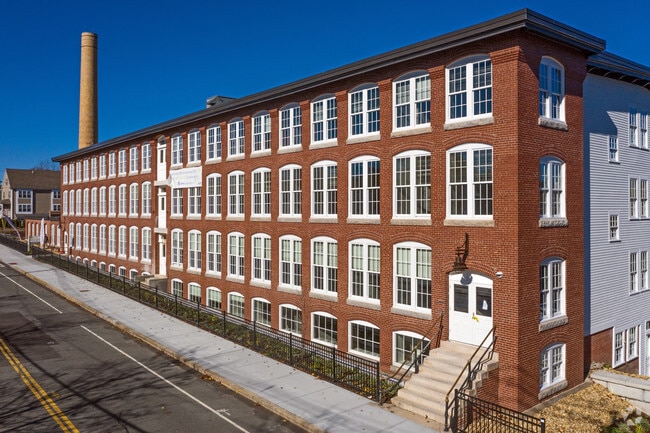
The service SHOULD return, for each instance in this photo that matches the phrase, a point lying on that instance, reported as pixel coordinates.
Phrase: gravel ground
(587, 411)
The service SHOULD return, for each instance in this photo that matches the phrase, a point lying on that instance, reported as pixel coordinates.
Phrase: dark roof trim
(522, 19)
(612, 66)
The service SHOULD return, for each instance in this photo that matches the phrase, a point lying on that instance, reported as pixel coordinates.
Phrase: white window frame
(102, 201)
(364, 339)
(412, 101)
(643, 270)
(261, 311)
(146, 198)
(290, 319)
(552, 288)
(613, 148)
(291, 268)
(632, 350)
(634, 272)
(261, 132)
(214, 143)
(213, 298)
(261, 259)
(324, 120)
(364, 187)
(552, 188)
(64, 172)
(364, 111)
(291, 191)
(214, 260)
(194, 293)
(102, 239)
(400, 353)
(364, 258)
(121, 242)
(619, 348)
(177, 248)
(93, 238)
(290, 119)
(86, 237)
(65, 203)
(133, 160)
(93, 201)
(614, 227)
(412, 271)
(79, 199)
(552, 366)
(194, 201)
(134, 239)
(236, 138)
(194, 146)
(643, 198)
(146, 157)
(133, 200)
(236, 304)
(177, 202)
(551, 89)
(177, 150)
(112, 166)
(324, 256)
(146, 244)
(86, 170)
(324, 200)
(194, 250)
(236, 194)
(213, 199)
(93, 168)
(633, 192)
(122, 200)
(112, 239)
(412, 189)
(177, 287)
(121, 162)
(261, 192)
(102, 166)
(327, 334)
(470, 183)
(86, 202)
(236, 256)
(463, 89)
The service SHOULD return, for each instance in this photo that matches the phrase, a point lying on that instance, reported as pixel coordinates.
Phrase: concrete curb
(255, 398)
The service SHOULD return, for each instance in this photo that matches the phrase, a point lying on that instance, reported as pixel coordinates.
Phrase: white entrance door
(162, 255)
(470, 308)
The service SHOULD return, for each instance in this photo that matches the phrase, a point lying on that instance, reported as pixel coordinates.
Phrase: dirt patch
(587, 411)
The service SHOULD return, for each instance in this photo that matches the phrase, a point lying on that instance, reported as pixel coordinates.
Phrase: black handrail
(414, 359)
(471, 371)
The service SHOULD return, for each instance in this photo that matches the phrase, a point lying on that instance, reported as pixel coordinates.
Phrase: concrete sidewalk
(313, 404)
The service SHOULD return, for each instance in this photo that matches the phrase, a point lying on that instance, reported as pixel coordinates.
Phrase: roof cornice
(522, 19)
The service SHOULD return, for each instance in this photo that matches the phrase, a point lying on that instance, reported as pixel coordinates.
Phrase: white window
(407, 345)
(613, 228)
(236, 255)
(634, 198)
(632, 343)
(634, 274)
(324, 120)
(133, 160)
(86, 236)
(194, 201)
(324, 328)
(93, 238)
(93, 201)
(236, 138)
(177, 248)
(551, 370)
(146, 157)
(291, 319)
(102, 201)
(262, 192)
(236, 193)
(633, 137)
(261, 311)
(71, 173)
(121, 242)
(122, 200)
(364, 269)
(133, 199)
(86, 170)
(412, 280)
(412, 101)
(551, 89)
(177, 150)
(65, 174)
(111, 164)
(261, 258)
(364, 187)
(236, 304)
(177, 288)
(177, 201)
(290, 126)
(324, 265)
(364, 338)
(214, 143)
(469, 182)
(86, 201)
(79, 202)
(643, 198)
(291, 262)
(146, 244)
(102, 166)
(194, 146)
(93, 168)
(643, 130)
(552, 294)
(134, 238)
(78, 238)
(194, 250)
(122, 162)
(619, 348)
(213, 298)
(146, 198)
(551, 188)
(291, 191)
(364, 111)
(469, 89)
(24, 201)
(111, 240)
(194, 292)
(261, 132)
(324, 189)
(213, 256)
(412, 184)
(65, 203)
(102, 239)
(55, 200)
(213, 183)
(643, 270)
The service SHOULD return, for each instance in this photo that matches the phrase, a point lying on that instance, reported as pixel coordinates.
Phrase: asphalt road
(63, 369)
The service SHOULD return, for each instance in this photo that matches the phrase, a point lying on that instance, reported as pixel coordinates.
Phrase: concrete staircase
(424, 393)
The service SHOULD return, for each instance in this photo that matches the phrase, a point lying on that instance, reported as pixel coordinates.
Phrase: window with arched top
(469, 88)
(551, 89)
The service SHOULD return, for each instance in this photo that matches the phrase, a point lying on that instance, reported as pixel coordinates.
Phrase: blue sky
(160, 59)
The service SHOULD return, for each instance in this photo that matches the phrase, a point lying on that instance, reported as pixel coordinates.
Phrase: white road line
(216, 412)
(32, 293)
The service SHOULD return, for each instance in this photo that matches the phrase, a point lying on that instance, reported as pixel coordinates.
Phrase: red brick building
(333, 207)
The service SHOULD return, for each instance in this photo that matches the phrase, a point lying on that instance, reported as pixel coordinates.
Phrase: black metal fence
(14, 243)
(348, 371)
(473, 415)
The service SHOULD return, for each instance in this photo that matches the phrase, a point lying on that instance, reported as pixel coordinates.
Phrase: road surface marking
(55, 412)
(32, 293)
(216, 412)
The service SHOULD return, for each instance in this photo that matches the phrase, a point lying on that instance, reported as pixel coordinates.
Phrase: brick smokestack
(88, 91)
